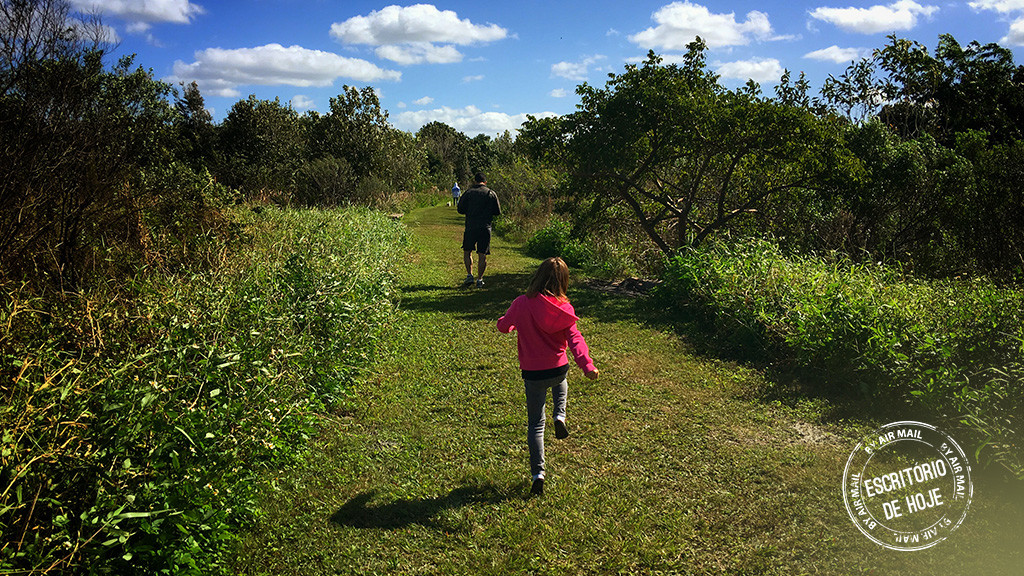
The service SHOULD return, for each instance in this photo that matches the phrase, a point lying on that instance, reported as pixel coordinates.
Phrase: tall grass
(954, 347)
(136, 415)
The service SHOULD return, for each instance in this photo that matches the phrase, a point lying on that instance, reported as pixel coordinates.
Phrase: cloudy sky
(481, 67)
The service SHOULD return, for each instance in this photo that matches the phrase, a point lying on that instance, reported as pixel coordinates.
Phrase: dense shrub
(176, 220)
(555, 240)
(527, 193)
(137, 414)
(260, 144)
(325, 182)
(955, 347)
(609, 251)
(81, 132)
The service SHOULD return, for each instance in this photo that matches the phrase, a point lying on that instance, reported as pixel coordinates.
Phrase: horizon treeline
(908, 157)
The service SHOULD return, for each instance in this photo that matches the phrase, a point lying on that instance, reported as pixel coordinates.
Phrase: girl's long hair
(550, 279)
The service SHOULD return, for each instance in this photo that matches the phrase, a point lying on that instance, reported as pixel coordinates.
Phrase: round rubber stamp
(907, 486)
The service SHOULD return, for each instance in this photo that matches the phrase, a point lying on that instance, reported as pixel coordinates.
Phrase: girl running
(545, 323)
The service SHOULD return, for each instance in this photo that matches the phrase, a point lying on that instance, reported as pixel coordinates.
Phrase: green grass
(676, 464)
(135, 416)
(947, 351)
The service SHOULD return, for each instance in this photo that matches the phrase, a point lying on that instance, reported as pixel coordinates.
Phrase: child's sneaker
(480, 283)
(468, 281)
(561, 430)
(538, 487)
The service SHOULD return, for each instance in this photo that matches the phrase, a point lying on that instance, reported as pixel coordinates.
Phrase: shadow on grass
(491, 301)
(360, 512)
(467, 303)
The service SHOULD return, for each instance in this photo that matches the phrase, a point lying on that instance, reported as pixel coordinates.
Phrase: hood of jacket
(549, 314)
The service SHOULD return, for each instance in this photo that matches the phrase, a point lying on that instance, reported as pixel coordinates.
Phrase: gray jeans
(536, 396)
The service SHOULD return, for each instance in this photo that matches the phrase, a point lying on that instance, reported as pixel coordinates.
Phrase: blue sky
(482, 66)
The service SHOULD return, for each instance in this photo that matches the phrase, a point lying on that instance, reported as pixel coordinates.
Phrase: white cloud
(416, 34)
(1002, 6)
(143, 29)
(470, 120)
(176, 11)
(476, 78)
(222, 71)
(757, 69)
(559, 93)
(423, 101)
(1015, 36)
(419, 53)
(138, 27)
(300, 102)
(140, 15)
(901, 15)
(419, 23)
(838, 55)
(680, 22)
(575, 70)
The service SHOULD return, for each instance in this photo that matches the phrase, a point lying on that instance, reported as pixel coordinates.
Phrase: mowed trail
(676, 463)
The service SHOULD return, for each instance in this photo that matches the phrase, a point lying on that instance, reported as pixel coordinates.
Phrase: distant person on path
(545, 324)
(480, 205)
(455, 195)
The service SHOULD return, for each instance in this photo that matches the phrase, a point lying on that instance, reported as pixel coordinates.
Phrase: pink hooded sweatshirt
(546, 327)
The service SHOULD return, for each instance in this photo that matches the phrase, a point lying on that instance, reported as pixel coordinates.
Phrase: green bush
(138, 415)
(527, 194)
(555, 240)
(602, 253)
(955, 347)
(325, 182)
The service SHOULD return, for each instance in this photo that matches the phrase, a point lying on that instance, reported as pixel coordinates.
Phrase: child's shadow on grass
(359, 512)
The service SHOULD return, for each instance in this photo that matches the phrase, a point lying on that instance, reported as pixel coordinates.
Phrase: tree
(856, 94)
(447, 153)
(987, 219)
(36, 31)
(73, 136)
(907, 200)
(406, 162)
(261, 144)
(976, 87)
(684, 155)
(354, 154)
(791, 93)
(479, 154)
(940, 143)
(355, 130)
(194, 128)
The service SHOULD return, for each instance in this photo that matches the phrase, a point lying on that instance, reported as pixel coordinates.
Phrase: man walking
(480, 205)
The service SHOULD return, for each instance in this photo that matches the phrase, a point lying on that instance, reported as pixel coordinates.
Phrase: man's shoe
(561, 430)
(468, 281)
(538, 487)
(480, 283)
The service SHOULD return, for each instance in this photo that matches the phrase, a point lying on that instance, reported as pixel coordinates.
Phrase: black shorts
(480, 238)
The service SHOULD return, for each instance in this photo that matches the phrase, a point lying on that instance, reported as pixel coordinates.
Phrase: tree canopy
(685, 156)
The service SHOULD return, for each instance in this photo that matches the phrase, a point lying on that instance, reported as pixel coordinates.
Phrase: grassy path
(675, 464)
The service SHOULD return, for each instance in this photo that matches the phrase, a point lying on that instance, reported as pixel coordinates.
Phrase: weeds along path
(674, 463)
